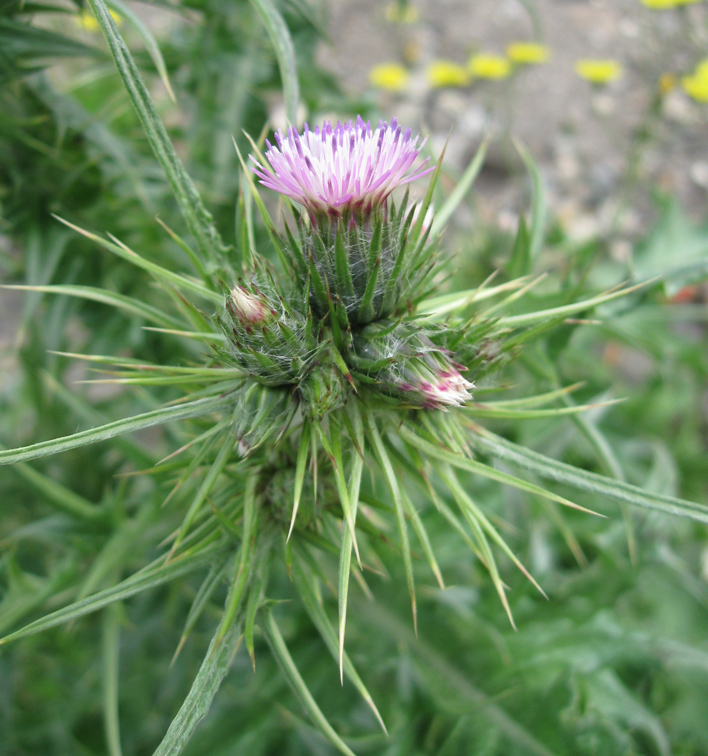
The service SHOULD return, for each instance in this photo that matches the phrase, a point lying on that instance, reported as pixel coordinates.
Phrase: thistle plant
(318, 352)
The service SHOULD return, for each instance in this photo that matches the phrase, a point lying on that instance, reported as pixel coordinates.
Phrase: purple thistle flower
(342, 169)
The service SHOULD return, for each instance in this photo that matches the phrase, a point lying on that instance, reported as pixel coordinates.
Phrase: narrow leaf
(282, 655)
(110, 430)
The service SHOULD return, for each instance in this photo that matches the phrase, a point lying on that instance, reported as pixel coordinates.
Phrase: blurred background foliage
(615, 662)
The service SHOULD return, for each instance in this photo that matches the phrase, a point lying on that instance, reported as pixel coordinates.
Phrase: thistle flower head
(344, 169)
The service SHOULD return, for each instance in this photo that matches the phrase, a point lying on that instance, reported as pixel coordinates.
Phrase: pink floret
(343, 168)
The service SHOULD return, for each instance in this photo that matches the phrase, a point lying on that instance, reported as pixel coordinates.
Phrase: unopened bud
(434, 382)
(248, 308)
(405, 363)
(322, 390)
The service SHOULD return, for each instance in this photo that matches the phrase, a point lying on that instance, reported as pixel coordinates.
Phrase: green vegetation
(182, 547)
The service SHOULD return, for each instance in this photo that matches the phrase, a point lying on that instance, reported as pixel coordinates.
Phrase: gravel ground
(600, 148)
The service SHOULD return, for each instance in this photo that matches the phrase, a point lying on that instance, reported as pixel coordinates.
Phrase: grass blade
(284, 52)
(458, 193)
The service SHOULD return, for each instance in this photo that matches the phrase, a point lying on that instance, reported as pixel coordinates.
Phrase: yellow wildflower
(686, 2)
(696, 87)
(659, 4)
(598, 71)
(445, 73)
(398, 13)
(86, 20)
(702, 69)
(392, 77)
(527, 53)
(489, 66)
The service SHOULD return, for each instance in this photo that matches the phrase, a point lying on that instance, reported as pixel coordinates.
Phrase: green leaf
(243, 562)
(471, 465)
(155, 574)
(148, 39)
(196, 216)
(110, 430)
(59, 496)
(302, 455)
(345, 553)
(676, 250)
(586, 481)
(110, 658)
(161, 274)
(112, 298)
(392, 481)
(570, 309)
(282, 655)
(520, 261)
(214, 668)
(379, 618)
(443, 215)
(538, 210)
(310, 597)
(284, 52)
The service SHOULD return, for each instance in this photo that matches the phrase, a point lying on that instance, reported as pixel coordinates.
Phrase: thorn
(179, 648)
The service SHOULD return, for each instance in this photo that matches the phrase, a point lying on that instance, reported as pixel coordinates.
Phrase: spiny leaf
(149, 40)
(110, 642)
(198, 219)
(456, 460)
(345, 553)
(311, 599)
(214, 668)
(243, 562)
(282, 655)
(392, 481)
(110, 430)
(583, 480)
(155, 574)
(112, 298)
(302, 454)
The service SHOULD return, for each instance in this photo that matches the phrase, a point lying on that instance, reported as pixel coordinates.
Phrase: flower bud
(260, 413)
(247, 308)
(268, 340)
(322, 390)
(403, 362)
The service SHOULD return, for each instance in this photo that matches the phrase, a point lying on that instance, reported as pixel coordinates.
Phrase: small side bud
(322, 390)
(248, 308)
(434, 382)
(260, 413)
(265, 337)
(405, 364)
